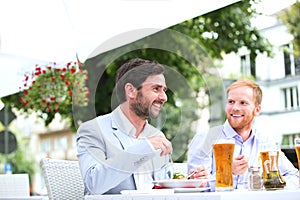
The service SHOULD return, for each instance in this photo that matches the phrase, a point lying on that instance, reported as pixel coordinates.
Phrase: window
(60, 143)
(74, 137)
(287, 63)
(288, 140)
(297, 66)
(248, 66)
(45, 145)
(291, 97)
(291, 63)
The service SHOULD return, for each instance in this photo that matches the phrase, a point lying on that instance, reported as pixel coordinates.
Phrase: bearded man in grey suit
(121, 150)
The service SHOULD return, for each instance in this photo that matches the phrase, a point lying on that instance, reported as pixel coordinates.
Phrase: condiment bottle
(274, 180)
(255, 179)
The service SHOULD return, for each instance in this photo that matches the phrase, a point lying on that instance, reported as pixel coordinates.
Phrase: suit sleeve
(104, 166)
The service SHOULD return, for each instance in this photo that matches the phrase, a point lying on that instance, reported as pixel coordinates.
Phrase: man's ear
(130, 90)
(257, 110)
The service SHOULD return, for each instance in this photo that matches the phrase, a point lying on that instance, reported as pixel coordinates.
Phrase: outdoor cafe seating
(63, 179)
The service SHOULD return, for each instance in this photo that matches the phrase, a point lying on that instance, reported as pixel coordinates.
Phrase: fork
(171, 163)
(190, 175)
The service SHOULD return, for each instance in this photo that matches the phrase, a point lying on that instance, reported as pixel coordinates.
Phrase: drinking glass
(223, 154)
(269, 156)
(265, 148)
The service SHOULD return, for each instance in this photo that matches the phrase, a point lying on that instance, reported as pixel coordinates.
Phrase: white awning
(37, 32)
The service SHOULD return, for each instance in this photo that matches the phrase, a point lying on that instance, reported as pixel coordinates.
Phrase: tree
(227, 30)
(290, 17)
(22, 159)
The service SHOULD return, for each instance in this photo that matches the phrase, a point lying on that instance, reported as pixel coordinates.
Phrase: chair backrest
(14, 185)
(62, 178)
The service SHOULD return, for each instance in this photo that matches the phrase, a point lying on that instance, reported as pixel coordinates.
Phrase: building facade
(279, 77)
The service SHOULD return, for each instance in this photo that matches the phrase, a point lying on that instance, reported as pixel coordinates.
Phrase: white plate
(180, 183)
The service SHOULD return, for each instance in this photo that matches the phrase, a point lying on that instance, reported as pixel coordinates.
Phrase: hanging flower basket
(52, 89)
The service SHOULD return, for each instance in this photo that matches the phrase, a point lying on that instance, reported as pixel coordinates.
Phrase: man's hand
(239, 165)
(161, 143)
(199, 173)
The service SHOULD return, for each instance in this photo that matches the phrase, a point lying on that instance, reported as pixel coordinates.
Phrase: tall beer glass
(297, 147)
(223, 154)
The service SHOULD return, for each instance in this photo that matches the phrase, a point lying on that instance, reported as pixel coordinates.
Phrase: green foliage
(290, 17)
(22, 159)
(227, 30)
(50, 90)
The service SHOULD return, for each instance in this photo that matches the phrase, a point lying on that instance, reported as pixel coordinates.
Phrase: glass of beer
(297, 147)
(265, 148)
(223, 154)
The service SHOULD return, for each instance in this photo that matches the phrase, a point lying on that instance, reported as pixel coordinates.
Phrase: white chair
(14, 185)
(62, 178)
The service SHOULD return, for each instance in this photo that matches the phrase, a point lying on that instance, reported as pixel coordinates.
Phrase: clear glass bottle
(273, 180)
(255, 179)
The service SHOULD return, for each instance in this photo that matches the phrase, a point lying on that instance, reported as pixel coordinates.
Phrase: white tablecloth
(234, 195)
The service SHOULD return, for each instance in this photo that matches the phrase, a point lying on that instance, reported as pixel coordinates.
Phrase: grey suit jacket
(111, 159)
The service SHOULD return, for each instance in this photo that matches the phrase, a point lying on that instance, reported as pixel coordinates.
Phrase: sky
(269, 7)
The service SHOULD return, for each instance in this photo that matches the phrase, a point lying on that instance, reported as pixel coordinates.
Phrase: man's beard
(141, 107)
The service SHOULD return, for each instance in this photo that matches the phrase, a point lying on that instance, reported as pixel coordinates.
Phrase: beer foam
(225, 141)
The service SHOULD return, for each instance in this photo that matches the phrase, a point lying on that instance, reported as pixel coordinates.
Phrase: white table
(234, 195)
(25, 198)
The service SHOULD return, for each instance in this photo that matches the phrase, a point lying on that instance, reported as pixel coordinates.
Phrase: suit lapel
(123, 138)
(121, 127)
